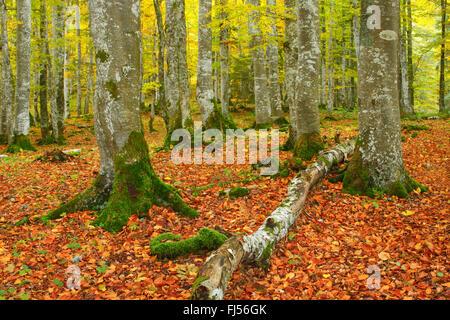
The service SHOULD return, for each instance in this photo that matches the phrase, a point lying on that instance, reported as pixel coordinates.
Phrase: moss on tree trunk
(307, 146)
(357, 181)
(20, 142)
(136, 187)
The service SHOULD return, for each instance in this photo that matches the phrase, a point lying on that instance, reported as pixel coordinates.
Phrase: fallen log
(212, 278)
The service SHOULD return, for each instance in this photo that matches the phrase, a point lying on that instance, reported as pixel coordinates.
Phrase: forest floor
(325, 256)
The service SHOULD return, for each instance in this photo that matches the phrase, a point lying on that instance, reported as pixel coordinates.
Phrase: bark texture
(309, 141)
(272, 56)
(224, 60)
(6, 92)
(23, 76)
(257, 248)
(57, 105)
(378, 163)
(291, 68)
(205, 91)
(177, 86)
(262, 103)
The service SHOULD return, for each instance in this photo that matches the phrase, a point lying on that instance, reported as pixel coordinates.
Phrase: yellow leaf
(384, 256)
(326, 275)
(408, 213)
(102, 287)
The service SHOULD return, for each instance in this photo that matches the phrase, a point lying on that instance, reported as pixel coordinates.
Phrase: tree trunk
(443, 108)
(161, 94)
(79, 63)
(257, 248)
(43, 76)
(410, 55)
(57, 102)
(205, 90)
(378, 164)
(23, 78)
(224, 60)
(272, 56)
(127, 183)
(330, 100)
(291, 69)
(6, 103)
(309, 141)
(89, 81)
(262, 105)
(177, 86)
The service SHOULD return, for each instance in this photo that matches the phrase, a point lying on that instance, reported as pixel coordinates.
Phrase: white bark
(225, 89)
(23, 64)
(177, 80)
(330, 100)
(274, 79)
(57, 105)
(262, 103)
(6, 102)
(79, 63)
(291, 68)
(205, 93)
(118, 84)
(307, 99)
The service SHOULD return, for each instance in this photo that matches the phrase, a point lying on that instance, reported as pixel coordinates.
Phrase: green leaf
(24, 296)
(440, 274)
(58, 282)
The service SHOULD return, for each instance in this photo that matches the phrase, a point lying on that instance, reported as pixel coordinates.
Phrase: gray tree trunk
(272, 56)
(79, 62)
(378, 162)
(309, 140)
(224, 61)
(205, 90)
(89, 81)
(6, 103)
(262, 102)
(161, 100)
(330, 100)
(177, 80)
(443, 107)
(291, 68)
(57, 103)
(23, 75)
(44, 74)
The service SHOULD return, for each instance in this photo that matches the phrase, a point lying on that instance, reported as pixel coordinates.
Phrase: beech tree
(127, 183)
(6, 92)
(378, 164)
(205, 93)
(307, 122)
(272, 56)
(21, 139)
(57, 105)
(177, 81)
(291, 68)
(262, 104)
(443, 108)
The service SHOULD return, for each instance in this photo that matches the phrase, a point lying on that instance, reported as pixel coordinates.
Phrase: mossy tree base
(136, 188)
(307, 146)
(357, 181)
(20, 142)
(205, 240)
(218, 120)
